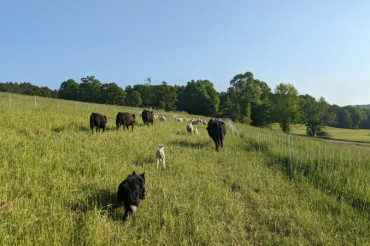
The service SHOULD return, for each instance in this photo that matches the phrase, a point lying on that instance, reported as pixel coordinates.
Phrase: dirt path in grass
(347, 142)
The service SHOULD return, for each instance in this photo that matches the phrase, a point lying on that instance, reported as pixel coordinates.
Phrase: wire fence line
(25, 101)
(337, 169)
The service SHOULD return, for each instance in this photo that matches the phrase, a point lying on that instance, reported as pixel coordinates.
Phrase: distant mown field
(351, 135)
(59, 182)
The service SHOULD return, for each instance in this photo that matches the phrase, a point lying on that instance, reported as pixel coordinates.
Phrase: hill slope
(60, 182)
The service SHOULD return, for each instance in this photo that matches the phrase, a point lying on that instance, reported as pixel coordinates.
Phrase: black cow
(97, 120)
(126, 120)
(147, 117)
(217, 131)
(130, 191)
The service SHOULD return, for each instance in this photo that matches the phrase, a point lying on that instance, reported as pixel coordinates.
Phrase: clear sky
(321, 47)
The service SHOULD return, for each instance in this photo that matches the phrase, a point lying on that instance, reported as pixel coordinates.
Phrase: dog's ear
(143, 175)
(133, 173)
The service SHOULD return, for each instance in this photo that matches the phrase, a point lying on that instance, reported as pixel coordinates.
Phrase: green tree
(244, 92)
(199, 97)
(357, 116)
(167, 96)
(365, 124)
(111, 93)
(285, 106)
(69, 90)
(133, 99)
(344, 118)
(313, 114)
(261, 107)
(147, 93)
(90, 89)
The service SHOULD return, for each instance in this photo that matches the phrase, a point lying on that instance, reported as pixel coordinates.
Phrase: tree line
(247, 100)
(27, 88)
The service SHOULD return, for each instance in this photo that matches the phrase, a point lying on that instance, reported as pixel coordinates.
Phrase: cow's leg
(132, 127)
(216, 143)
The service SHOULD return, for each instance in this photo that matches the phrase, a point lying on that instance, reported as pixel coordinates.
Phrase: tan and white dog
(160, 156)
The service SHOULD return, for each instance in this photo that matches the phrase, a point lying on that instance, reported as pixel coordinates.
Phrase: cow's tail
(118, 121)
(92, 120)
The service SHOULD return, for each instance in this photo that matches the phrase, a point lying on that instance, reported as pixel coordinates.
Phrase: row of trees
(247, 100)
(28, 89)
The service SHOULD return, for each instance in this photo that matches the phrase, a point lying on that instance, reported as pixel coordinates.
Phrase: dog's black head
(141, 181)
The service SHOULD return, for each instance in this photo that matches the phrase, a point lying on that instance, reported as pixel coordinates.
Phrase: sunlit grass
(351, 135)
(59, 182)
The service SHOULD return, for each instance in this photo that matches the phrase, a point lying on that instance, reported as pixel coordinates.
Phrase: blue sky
(321, 47)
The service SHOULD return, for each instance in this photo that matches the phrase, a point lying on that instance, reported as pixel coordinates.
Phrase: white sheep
(195, 131)
(160, 156)
(190, 128)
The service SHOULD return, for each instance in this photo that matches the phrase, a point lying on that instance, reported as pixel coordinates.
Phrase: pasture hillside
(59, 182)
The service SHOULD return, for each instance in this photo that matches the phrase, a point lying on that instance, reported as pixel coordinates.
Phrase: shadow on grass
(71, 126)
(187, 144)
(105, 201)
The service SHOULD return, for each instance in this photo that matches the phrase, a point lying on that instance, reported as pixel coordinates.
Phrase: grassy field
(351, 135)
(59, 182)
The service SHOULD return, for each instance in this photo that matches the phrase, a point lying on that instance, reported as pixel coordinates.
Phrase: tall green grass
(59, 182)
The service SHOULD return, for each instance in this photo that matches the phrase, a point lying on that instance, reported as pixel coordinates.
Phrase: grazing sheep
(160, 156)
(190, 128)
(195, 131)
(162, 118)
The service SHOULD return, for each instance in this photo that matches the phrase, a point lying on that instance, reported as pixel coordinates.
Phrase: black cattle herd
(132, 189)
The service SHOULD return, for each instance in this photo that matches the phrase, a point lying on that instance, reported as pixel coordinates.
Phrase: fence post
(290, 157)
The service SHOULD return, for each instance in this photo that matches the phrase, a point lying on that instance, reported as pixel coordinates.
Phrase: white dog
(161, 156)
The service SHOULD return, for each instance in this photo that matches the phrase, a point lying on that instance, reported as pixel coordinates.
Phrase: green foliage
(69, 90)
(112, 94)
(247, 100)
(28, 89)
(344, 119)
(286, 106)
(89, 90)
(199, 97)
(133, 99)
(313, 114)
(167, 96)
